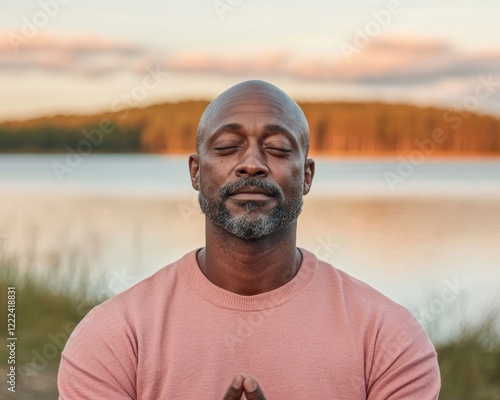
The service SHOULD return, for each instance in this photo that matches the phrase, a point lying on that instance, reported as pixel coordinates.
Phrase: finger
(252, 389)
(236, 389)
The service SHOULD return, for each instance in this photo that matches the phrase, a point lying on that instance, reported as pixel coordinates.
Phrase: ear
(309, 167)
(194, 170)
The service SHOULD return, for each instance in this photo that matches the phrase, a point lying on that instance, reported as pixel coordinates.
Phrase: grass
(48, 306)
(470, 363)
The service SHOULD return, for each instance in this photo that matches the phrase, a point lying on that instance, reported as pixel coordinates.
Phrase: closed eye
(279, 149)
(226, 150)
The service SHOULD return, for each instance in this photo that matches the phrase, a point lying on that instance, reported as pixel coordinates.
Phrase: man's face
(251, 172)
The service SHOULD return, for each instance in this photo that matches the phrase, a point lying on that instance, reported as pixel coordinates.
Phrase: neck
(249, 267)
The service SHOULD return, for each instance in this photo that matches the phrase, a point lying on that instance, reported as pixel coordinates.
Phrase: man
(250, 310)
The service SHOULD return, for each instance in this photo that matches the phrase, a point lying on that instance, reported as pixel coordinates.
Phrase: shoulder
(125, 313)
(359, 297)
(101, 355)
(399, 356)
(376, 317)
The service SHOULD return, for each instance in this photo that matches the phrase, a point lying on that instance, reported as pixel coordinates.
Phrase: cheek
(293, 182)
(210, 179)
(207, 186)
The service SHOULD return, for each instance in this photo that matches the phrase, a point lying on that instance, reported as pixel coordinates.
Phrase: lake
(427, 234)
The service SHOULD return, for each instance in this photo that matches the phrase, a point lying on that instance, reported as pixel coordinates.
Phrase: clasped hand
(244, 384)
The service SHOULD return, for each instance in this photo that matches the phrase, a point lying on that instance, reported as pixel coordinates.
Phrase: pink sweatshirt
(175, 335)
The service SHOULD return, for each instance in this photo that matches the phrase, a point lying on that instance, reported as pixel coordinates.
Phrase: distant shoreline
(337, 129)
(320, 155)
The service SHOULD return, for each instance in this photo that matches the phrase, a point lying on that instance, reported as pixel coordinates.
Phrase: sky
(81, 57)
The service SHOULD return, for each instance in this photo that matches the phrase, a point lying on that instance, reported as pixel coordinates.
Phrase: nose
(252, 163)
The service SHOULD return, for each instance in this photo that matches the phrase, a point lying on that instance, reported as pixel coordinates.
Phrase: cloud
(236, 62)
(74, 44)
(81, 55)
(389, 61)
(411, 62)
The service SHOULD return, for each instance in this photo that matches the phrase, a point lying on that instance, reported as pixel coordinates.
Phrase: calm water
(150, 175)
(435, 229)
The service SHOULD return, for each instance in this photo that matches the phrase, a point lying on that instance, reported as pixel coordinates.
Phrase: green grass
(470, 363)
(48, 306)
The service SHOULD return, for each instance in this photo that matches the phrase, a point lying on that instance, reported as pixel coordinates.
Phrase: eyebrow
(233, 127)
(274, 129)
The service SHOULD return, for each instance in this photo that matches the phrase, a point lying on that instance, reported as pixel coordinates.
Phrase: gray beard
(251, 225)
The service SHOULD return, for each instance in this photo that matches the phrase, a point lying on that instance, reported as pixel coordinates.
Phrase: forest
(336, 128)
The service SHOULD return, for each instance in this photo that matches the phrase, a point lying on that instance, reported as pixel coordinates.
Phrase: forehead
(252, 109)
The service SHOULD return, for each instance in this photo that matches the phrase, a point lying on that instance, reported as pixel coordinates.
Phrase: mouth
(251, 193)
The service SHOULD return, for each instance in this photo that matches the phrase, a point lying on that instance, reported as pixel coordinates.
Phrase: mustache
(247, 182)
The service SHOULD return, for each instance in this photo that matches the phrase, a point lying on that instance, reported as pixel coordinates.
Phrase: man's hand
(244, 384)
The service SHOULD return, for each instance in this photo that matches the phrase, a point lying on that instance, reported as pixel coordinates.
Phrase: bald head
(239, 97)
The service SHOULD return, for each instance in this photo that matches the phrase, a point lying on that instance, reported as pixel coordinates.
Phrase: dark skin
(251, 131)
(244, 384)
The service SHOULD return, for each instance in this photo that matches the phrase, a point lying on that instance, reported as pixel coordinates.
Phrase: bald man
(250, 315)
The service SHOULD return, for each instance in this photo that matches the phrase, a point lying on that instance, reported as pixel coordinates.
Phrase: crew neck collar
(225, 299)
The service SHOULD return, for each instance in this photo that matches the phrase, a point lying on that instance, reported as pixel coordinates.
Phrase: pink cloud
(233, 63)
(85, 55)
(402, 44)
(65, 43)
(386, 60)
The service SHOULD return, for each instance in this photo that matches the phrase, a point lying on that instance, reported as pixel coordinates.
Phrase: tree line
(336, 128)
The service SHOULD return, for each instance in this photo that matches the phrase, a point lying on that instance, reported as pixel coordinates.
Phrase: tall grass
(48, 307)
(470, 362)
